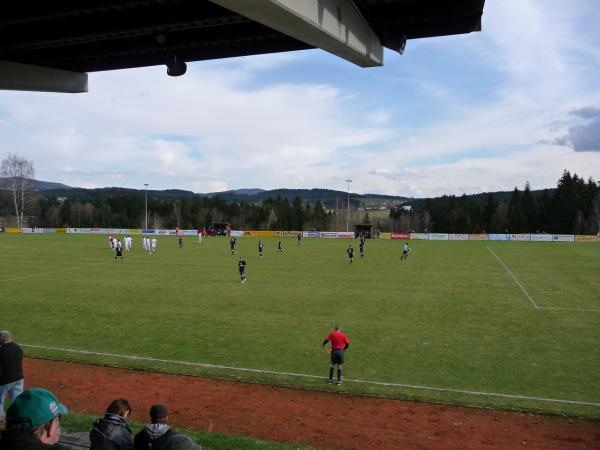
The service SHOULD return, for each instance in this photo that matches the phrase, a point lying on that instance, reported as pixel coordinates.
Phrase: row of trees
(572, 207)
(128, 211)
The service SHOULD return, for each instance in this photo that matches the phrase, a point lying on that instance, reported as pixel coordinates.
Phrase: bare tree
(18, 172)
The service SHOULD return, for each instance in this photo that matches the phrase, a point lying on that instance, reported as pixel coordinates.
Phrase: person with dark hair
(119, 250)
(339, 344)
(158, 435)
(11, 369)
(33, 422)
(242, 269)
(405, 250)
(112, 431)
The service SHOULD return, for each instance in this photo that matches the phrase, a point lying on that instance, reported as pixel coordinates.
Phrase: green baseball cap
(34, 407)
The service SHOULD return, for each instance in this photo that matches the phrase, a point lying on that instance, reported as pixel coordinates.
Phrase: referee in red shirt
(339, 344)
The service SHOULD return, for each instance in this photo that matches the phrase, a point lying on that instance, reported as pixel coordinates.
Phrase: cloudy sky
(487, 111)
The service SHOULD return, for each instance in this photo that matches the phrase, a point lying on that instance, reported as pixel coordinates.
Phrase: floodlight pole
(146, 184)
(348, 215)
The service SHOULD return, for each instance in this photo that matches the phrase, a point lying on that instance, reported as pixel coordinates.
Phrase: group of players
(339, 341)
(150, 244)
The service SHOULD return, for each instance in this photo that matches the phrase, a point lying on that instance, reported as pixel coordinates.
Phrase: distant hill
(36, 185)
(329, 198)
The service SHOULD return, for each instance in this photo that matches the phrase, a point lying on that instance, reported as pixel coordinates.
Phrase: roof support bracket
(336, 26)
(24, 77)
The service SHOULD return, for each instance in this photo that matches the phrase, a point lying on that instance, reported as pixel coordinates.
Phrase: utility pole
(146, 184)
(348, 216)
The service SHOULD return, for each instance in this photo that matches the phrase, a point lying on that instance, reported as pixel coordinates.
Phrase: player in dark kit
(232, 245)
(180, 240)
(280, 247)
(242, 269)
(350, 252)
(361, 246)
(339, 344)
(260, 248)
(119, 250)
(299, 238)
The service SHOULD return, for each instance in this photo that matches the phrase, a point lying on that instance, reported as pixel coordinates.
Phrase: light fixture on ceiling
(176, 67)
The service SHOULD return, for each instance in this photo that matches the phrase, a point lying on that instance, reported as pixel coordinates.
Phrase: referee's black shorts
(337, 356)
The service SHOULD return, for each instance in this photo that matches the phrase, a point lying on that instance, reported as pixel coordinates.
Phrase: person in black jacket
(11, 369)
(112, 431)
(157, 435)
(33, 422)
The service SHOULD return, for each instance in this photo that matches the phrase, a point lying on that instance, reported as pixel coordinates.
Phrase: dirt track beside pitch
(305, 417)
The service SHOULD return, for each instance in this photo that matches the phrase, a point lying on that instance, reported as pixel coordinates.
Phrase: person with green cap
(33, 422)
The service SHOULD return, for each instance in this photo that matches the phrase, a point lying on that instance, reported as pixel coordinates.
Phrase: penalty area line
(514, 278)
(535, 305)
(304, 375)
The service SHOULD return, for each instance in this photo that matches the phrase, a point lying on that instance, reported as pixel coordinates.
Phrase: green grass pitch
(450, 317)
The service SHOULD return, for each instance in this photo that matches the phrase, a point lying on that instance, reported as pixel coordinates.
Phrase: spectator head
(5, 337)
(159, 413)
(37, 411)
(180, 442)
(120, 407)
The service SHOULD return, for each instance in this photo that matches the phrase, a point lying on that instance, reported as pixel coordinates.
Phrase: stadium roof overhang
(51, 45)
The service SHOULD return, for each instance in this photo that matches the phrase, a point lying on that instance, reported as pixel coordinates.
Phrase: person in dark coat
(33, 422)
(158, 435)
(11, 369)
(112, 431)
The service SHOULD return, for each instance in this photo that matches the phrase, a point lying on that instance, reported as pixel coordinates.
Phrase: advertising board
(458, 237)
(13, 230)
(259, 233)
(438, 236)
(312, 234)
(586, 238)
(520, 237)
(236, 233)
(563, 238)
(419, 235)
(385, 235)
(77, 230)
(541, 237)
(499, 237)
(286, 233)
(400, 236)
(345, 234)
(26, 230)
(328, 234)
(60, 230)
(478, 237)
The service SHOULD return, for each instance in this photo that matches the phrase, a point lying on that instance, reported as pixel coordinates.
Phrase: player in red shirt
(339, 344)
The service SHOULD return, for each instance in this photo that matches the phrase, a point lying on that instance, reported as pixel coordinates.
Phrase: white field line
(37, 274)
(514, 278)
(303, 375)
(94, 262)
(569, 309)
(535, 305)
